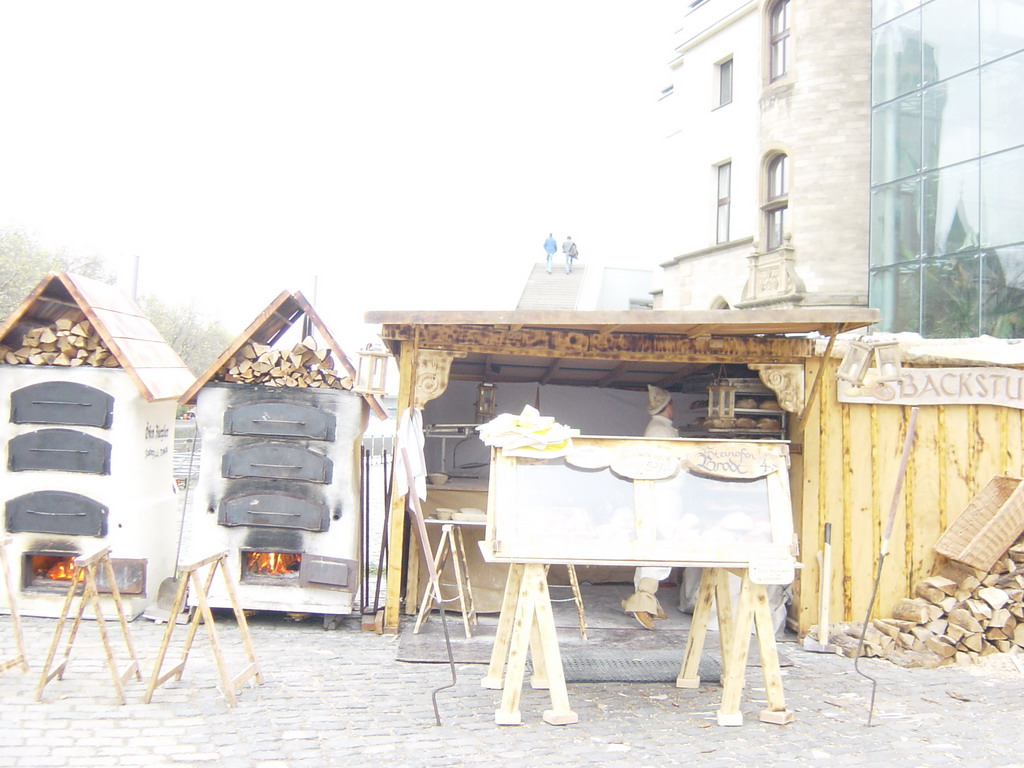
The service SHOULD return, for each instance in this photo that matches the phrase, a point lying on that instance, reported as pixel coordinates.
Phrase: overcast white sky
(406, 155)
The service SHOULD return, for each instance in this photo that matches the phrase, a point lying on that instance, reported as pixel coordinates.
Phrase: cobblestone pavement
(333, 698)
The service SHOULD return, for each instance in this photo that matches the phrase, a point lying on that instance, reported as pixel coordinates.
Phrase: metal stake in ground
(435, 583)
(883, 551)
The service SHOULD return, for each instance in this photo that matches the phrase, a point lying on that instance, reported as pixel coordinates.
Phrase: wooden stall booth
(969, 430)
(590, 370)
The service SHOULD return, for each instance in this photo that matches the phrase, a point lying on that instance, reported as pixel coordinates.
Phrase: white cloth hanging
(409, 441)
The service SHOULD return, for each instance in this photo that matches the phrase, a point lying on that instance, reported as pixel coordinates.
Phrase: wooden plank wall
(846, 473)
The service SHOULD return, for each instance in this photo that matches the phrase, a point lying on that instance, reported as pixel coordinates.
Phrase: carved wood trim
(589, 344)
(786, 381)
(431, 369)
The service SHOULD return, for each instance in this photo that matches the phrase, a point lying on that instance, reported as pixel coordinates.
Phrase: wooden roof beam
(590, 344)
(683, 372)
(612, 375)
(551, 371)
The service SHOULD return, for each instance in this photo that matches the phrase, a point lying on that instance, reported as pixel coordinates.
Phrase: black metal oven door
(59, 450)
(277, 461)
(274, 510)
(56, 512)
(328, 572)
(279, 419)
(62, 402)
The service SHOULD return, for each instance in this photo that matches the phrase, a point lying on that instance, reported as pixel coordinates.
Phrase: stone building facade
(769, 122)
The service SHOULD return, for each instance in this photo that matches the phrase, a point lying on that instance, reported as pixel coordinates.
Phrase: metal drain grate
(655, 666)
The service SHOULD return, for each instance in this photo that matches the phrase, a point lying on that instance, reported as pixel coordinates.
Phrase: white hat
(657, 399)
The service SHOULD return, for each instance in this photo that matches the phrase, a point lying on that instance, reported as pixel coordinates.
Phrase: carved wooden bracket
(431, 374)
(786, 381)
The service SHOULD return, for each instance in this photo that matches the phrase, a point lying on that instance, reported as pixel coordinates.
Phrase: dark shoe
(645, 619)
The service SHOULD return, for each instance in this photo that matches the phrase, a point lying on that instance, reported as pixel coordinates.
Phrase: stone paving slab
(334, 698)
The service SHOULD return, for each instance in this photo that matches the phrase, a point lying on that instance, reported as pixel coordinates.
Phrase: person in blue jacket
(550, 246)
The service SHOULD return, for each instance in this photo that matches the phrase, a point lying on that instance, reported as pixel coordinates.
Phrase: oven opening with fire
(279, 482)
(87, 436)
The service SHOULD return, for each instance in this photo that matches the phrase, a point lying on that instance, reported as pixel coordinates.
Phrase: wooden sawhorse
(754, 613)
(577, 598)
(19, 659)
(201, 590)
(451, 543)
(527, 626)
(85, 570)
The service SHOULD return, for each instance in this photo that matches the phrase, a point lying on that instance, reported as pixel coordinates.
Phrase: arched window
(778, 39)
(776, 201)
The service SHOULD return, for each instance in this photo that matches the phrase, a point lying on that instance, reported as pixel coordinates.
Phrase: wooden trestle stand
(526, 626)
(754, 613)
(450, 544)
(85, 571)
(720, 505)
(19, 659)
(201, 590)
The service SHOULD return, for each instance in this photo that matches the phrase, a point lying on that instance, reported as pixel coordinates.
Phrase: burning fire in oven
(272, 563)
(46, 570)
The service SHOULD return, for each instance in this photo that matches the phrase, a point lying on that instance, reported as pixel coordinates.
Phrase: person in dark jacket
(571, 254)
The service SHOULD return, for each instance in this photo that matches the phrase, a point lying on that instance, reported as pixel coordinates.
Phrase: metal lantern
(855, 363)
(486, 402)
(889, 365)
(372, 370)
(721, 401)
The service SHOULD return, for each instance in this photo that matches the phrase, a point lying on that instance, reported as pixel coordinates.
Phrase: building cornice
(707, 251)
(711, 30)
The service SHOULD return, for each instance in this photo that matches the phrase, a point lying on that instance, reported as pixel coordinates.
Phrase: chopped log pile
(956, 616)
(65, 342)
(305, 365)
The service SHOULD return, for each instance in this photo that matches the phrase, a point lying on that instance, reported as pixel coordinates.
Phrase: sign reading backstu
(942, 386)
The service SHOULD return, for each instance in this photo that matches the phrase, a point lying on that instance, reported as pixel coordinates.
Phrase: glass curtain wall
(947, 167)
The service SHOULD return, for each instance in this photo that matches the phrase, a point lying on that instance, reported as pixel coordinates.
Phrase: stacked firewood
(956, 616)
(305, 365)
(65, 342)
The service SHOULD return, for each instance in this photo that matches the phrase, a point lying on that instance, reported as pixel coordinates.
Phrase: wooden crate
(989, 525)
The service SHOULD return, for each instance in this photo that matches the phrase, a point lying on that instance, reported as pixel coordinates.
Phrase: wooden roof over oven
(129, 336)
(625, 350)
(268, 328)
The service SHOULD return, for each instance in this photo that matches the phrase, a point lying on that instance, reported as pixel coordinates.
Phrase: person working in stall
(643, 603)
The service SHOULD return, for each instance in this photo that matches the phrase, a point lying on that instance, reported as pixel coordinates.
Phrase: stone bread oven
(87, 447)
(279, 488)
(279, 479)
